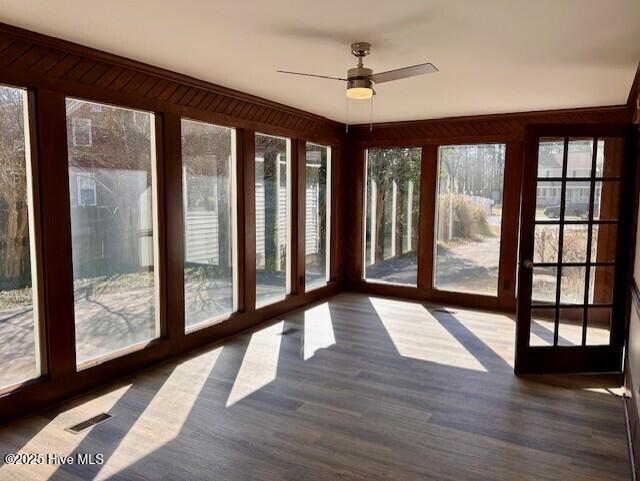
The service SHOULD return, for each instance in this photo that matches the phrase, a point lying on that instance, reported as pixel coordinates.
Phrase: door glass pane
(609, 157)
(112, 190)
(207, 167)
(273, 231)
(574, 243)
(598, 326)
(544, 284)
(542, 327)
(606, 201)
(317, 212)
(601, 284)
(603, 242)
(548, 197)
(570, 326)
(550, 157)
(580, 157)
(572, 283)
(545, 243)
(576, 200)
(392, 213)
(469, 217)
(19, 354)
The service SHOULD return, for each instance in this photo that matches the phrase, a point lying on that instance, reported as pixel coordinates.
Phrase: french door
(574, 248)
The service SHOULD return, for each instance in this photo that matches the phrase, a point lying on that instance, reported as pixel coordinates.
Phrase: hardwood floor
(353, 388)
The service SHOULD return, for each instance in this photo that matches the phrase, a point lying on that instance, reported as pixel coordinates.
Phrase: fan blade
(405, 72)
(312, 75)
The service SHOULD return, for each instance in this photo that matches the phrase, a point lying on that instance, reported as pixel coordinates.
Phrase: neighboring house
(579, 165)
(110, 189)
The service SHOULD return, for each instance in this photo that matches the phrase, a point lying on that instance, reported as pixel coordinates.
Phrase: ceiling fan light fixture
(359, 89)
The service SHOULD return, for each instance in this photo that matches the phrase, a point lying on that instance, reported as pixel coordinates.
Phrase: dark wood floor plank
(353, 388)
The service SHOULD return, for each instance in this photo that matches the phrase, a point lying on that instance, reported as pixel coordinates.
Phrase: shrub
(469, 219)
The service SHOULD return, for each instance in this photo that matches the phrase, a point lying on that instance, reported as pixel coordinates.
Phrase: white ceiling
(494, 55)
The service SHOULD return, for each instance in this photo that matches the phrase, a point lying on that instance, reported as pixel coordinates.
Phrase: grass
(116, 282)
(15, 298)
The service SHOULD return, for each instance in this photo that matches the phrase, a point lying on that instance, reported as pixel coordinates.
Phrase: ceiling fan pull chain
(371, 115)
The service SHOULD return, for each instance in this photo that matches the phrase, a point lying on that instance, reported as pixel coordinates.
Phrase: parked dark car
(572, 209)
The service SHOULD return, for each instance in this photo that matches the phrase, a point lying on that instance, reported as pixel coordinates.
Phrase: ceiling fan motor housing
(359, 77)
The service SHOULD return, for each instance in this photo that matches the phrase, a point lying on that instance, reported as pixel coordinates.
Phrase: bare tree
(14, 237)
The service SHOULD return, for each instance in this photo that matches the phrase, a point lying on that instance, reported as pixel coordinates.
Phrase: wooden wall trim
(480, 128)
(33, 60)
(56, 234)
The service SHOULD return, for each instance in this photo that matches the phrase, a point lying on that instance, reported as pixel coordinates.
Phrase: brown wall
(52, 69)
(505, 128)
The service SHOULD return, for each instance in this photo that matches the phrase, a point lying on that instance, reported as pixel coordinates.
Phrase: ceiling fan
(360, 79)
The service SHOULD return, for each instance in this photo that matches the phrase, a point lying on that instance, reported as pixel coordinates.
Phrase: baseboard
(633, 426)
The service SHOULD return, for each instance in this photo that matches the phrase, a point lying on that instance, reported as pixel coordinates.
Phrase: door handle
(527, 264)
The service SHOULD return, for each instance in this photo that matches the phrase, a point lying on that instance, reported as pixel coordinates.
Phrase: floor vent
(78, 428)
(289, 331)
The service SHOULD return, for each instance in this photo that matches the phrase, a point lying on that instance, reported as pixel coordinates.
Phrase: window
(317, 215)
(273, 231)
(392, 208)
(113, 240)
(82, 131)
(469, 218)
(208, 165)
(86, 190)
(19, 337)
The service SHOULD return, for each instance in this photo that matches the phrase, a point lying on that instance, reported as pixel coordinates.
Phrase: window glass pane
(209, 226)
(19, 356)
(580, 157)
(576, 200)
(606, 200)
(543, 284)
(548, 197)
(542, 327)
(603, 242)
(570, 326)
(317, 212)
(469, 217)
(272, 197)
(545, 243)
(574, 243)
(609, 157)
(598, 326)
(112, 198)
(572, 282)
(392, 211)
(601, 284)
(550, 155)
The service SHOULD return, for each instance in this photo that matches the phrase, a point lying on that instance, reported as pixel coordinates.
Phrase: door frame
(582, 359)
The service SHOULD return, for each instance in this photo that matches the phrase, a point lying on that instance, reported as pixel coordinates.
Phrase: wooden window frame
(505, 299)
(301, 205)
(61, 377)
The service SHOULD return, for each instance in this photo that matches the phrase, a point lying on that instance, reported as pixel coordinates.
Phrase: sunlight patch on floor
(54, 436)
(260, 363)
(418, 335)
(318, 330)
(165, 415)
(497, 331)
